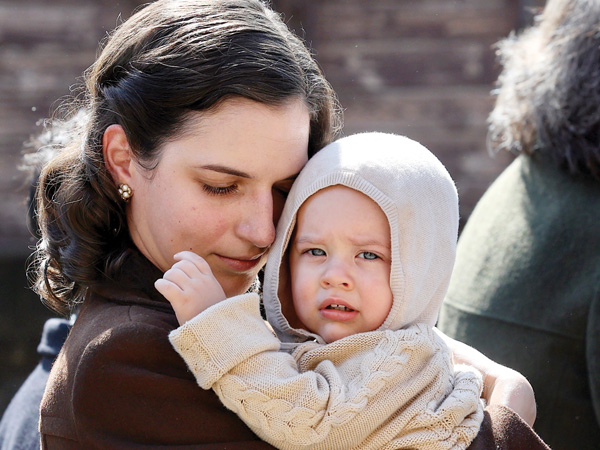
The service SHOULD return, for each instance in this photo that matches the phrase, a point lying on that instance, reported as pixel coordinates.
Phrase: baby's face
(340, 264)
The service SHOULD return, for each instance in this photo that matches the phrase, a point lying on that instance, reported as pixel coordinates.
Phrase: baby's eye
(368, 255)
(316, 252)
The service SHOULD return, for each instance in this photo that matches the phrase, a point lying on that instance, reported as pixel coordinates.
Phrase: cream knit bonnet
(419, 198)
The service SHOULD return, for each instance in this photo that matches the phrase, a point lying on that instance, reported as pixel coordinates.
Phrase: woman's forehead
(245, 137)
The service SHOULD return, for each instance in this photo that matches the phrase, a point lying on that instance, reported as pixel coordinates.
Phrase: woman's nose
(256, 225)
(337, 274)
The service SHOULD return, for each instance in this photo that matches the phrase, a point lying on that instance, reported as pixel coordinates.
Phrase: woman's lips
(241, 264)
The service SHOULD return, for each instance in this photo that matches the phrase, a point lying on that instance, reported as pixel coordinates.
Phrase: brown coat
(117, 384)
(503, 429)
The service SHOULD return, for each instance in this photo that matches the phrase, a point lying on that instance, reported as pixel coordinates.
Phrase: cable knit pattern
(399, 383)
(211, 348)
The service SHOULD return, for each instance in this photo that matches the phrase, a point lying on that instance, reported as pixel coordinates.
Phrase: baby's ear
(117, 154)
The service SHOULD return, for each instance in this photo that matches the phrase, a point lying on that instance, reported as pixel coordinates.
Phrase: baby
(353, 284)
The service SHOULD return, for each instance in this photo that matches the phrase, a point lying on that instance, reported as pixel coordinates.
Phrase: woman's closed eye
(220, 190)
(368, 255)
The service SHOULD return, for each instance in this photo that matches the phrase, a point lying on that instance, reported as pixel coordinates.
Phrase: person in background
(526, 286)
(19, 424)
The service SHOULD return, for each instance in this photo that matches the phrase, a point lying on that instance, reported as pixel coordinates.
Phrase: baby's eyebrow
(304, 239)
(366, 241)
(361, 241)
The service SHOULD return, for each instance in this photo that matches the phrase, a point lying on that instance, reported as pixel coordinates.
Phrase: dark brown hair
(549, 90)
(169, 59)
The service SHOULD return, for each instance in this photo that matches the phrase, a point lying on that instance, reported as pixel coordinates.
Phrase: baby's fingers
(169, 290)
(184, 308)
(190, 262)
(183, 274)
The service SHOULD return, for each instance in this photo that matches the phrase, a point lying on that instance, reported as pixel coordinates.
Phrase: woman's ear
(117, 154)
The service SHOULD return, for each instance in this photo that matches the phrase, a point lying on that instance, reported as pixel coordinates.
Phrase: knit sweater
(374, 390)
(394, 387)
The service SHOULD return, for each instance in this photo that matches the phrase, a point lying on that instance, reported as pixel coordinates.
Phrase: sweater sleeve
(222, 337)
(341, 395)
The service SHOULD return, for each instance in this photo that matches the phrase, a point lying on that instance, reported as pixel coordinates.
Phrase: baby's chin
(335, 335)
(328, 335)
(238, 284)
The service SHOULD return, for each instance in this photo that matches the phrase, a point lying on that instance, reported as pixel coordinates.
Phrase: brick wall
(423, 68)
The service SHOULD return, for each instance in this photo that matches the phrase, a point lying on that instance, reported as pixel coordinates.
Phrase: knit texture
(376, 390)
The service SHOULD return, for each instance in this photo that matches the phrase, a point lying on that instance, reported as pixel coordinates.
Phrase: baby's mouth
(339, 307)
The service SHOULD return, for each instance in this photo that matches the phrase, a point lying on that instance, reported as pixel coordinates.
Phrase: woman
(200, 115)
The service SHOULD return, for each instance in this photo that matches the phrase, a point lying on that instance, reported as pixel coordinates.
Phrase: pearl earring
(125, 192)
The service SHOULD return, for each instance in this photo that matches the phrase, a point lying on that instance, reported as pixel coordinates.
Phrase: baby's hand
(190, 286)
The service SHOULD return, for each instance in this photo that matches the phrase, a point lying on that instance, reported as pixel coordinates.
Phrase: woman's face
(219, 188)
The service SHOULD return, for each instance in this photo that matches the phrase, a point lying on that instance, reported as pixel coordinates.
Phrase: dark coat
(118, 383)
(503, 429)
(525, 291)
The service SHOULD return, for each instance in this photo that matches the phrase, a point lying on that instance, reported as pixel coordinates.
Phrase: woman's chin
(239, 284)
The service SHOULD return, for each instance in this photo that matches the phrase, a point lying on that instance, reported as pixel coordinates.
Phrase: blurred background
(422, 68)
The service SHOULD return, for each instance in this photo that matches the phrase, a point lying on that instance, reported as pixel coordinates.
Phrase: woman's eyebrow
(225, 169)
